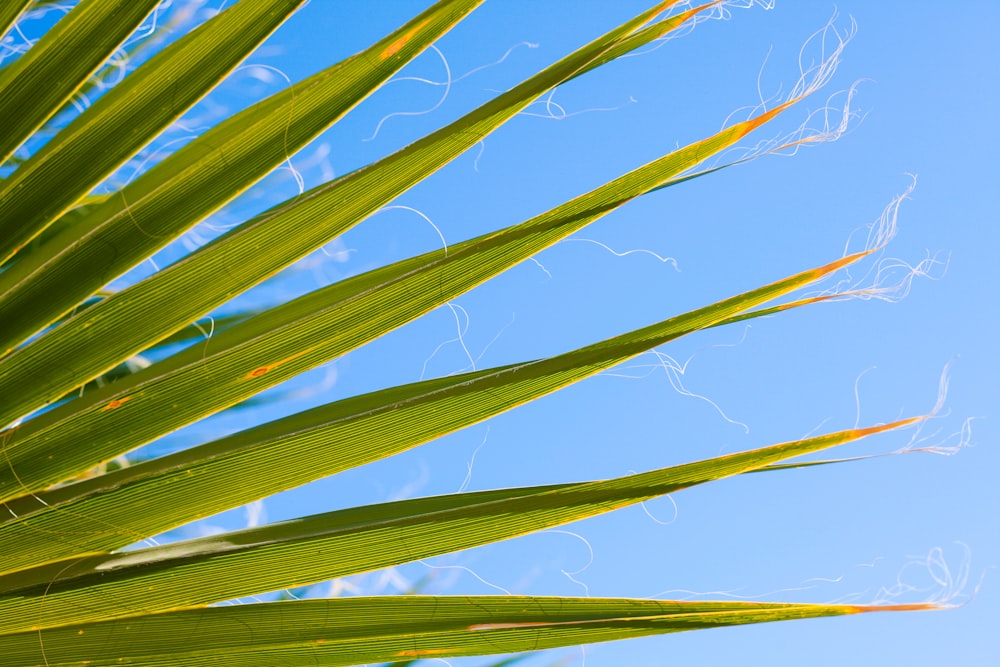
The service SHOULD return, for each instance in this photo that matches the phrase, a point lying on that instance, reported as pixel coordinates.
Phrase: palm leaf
(205, 480)
(128, 117)
(311, 549)
(9, 12)
(346, 631)
(287, 340)
(196, 180)
(71, 593)
(37, 84)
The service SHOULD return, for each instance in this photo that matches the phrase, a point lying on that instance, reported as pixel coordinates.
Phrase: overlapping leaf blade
(128, 116)
(97, 339)
(324, 546)
(36, 85)
(349, 631)
(99, 514)
(289, 339)
(62, 584)
(9, 12)
(196, 180)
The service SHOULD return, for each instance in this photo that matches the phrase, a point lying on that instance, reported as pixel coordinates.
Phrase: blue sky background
(855, 532)
(908, 528)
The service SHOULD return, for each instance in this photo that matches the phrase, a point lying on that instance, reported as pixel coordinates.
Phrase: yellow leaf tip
(916, 606)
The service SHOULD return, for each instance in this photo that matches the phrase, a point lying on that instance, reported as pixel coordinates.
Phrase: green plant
(69, 595)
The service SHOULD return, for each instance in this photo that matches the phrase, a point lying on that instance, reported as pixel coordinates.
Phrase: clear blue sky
(867, 531)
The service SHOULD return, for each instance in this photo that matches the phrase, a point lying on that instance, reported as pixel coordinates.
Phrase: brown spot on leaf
(116, 403)
(395, 47)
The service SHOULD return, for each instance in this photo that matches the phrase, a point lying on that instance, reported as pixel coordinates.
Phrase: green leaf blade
(9, 13)
(289, 339)
(320, 547)
(198, 179)
(233, 263)
(36, 85)
(368, 630)
(130, 115)
(45, 451)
